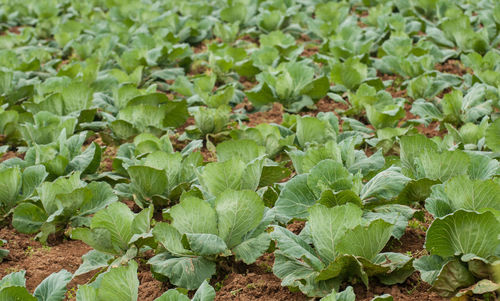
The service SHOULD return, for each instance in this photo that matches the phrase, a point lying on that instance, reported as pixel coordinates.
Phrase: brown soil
(13, 29)
(310, 51)
(108, 155)
(412, 289)
(39, 261)
(256, 283)
(361, 24)
(250, 39)
(432, 130)
(207, 155)
(9, 155)
(149, 287)
(296, 226)
(131, 205)
(411, 242)
(303, 38)
(394, 88)
(452, 66)
(253, 286)
(199, 48)
(247, 84)
(275, 115)
(396, 92)
(190, 121)
(326, 105)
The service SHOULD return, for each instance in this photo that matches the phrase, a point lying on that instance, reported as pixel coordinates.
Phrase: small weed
(29, 251)
(12, 270)
(414, 288)
(266, 267)
(415, 224)
(409, 253)
(71, 294)
(251, 286)
(235, 292)
(218, 286)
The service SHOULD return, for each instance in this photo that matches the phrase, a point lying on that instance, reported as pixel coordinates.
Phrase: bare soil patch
(40, 261)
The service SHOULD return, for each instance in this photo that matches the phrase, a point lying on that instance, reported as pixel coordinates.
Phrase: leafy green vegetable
(292, 84)
(200, 232)
(115, 232)
(459, 256)
(65, 201)
(345, 247)
(17, 186)
(13, 287)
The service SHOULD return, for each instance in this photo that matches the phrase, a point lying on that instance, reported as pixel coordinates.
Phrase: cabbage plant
(65, 201)
(339, 245)
(13, 287)
(117, 235)
(201, 233)
(292, 84)
(463, 246)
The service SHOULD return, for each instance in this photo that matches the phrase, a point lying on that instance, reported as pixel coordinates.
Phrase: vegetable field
(249, 150)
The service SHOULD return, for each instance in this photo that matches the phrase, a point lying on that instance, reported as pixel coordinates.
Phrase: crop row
(130, 126)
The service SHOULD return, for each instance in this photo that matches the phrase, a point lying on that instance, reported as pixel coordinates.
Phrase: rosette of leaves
(214, 116)
(152, 113)
(224, 59)
(428, 162)
(349, 41)
(66, 96)
(339, 246)
(117, 235)
(331, 184)
(284, 43)
(63, 156)
(202, 232)
(461, 192)
(329, 17)
(486, 68)
(457, 30)
(9, 127)
(200, 90)
(161, 176)
(382, 110)
(18, 185)
(401, 57)
(456, 108)
(242, 164)
(272, 18)
(13, 287)
(46, 128)
(267, 135)
(463, 246)
(349, 74)
(209, 121)
(431, 83)
(122, 282)
(227, 32)
(314, 130)
(470, 136)
(292, 84)
(65, 201)
(129, 154)
(424, 158)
